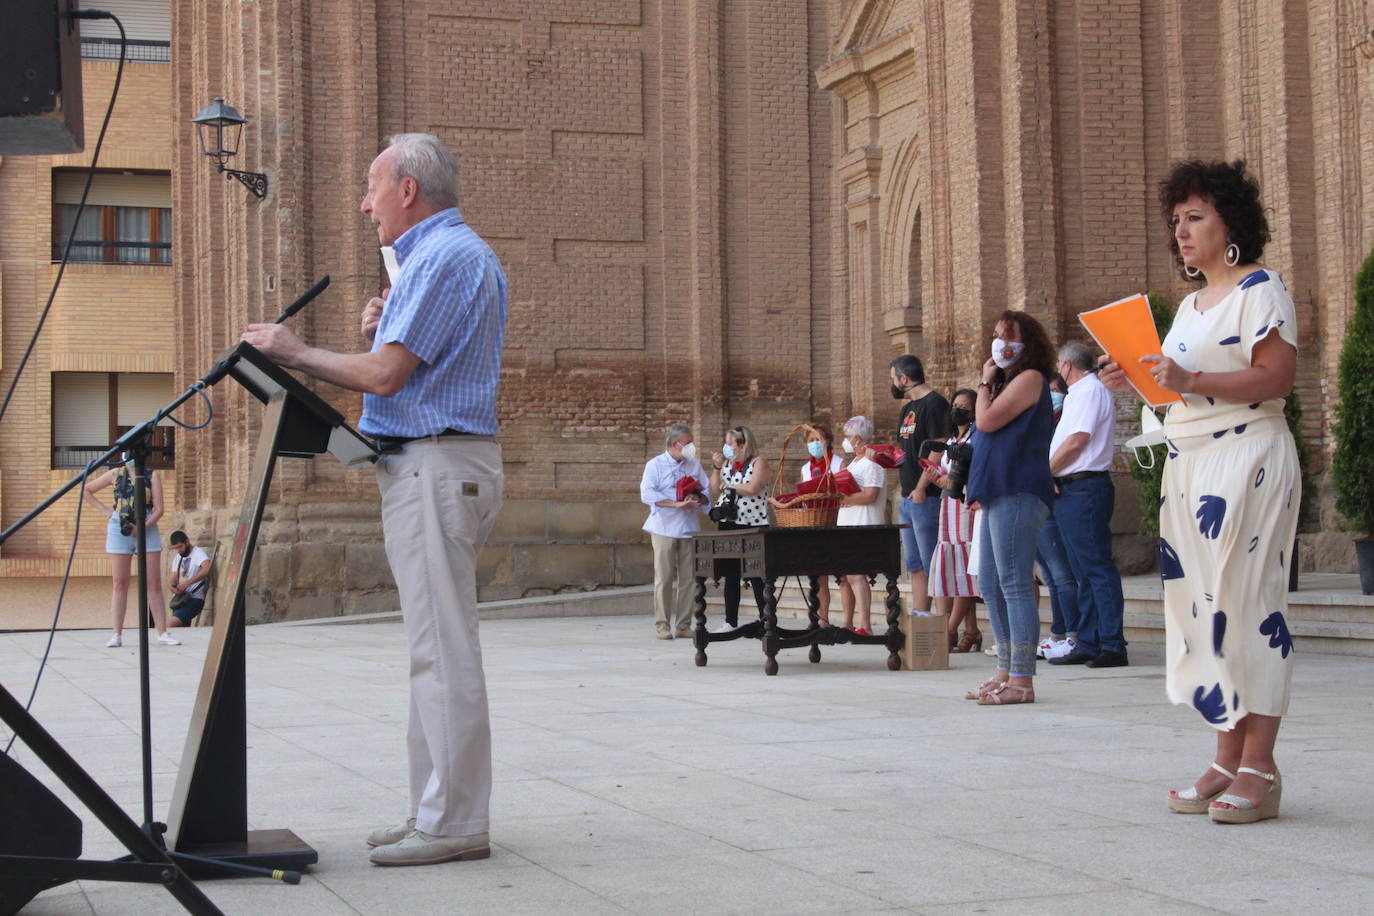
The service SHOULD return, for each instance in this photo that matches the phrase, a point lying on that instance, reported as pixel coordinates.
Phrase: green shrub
(1292, 412)
(1147, 480)
(1352, 467)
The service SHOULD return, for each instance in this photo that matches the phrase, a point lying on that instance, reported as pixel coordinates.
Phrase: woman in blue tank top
(1010, 479)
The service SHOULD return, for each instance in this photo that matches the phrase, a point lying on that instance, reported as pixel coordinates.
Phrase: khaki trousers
(440, 497)
(673, 582)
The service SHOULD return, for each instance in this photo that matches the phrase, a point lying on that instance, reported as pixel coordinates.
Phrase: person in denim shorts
(121, 547)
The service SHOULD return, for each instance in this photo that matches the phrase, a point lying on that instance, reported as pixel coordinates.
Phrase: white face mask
(848, 446)
(1151, 433)
(1001, 357)
(689, 451)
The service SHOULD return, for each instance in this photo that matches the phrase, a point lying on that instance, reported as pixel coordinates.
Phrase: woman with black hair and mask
(950, 574)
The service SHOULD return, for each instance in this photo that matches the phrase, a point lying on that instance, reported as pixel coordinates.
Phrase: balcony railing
(78, 456)
(93, 252)
(140, 49)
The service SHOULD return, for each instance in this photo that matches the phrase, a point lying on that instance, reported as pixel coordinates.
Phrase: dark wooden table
(771, 554)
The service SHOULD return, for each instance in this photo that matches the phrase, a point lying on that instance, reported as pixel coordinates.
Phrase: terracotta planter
(1293, 565)
(1364, 556)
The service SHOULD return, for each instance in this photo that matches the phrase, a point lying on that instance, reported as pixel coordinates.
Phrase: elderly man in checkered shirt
(429, 398)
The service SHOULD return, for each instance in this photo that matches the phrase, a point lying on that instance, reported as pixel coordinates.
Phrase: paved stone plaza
(630, 781)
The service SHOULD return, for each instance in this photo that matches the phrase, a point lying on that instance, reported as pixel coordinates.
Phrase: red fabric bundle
(840, 482)
(687, 486)
(887, 456)
(846, 484)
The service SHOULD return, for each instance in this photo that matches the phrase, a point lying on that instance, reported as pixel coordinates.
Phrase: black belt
(388, 444)
(1081, 475)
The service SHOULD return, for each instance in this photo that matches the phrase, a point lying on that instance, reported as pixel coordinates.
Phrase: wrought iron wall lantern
(219, 127)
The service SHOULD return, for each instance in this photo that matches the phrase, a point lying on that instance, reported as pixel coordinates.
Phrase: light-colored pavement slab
(630, 781)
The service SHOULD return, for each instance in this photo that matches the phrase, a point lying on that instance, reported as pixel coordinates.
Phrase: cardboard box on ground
(926, 645)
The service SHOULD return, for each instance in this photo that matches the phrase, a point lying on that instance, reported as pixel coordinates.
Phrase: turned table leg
(770, 627)
(813, 611)
(699, 612)
(894, 628)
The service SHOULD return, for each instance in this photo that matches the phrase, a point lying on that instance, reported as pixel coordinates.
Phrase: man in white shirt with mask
(1080, 462)
(671, 524)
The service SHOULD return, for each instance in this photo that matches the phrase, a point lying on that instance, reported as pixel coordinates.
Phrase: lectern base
(279, 849)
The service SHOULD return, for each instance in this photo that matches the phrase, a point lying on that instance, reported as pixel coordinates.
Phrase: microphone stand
(136, 444)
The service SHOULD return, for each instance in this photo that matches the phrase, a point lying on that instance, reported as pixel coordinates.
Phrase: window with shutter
(127, 220)
(91, 410)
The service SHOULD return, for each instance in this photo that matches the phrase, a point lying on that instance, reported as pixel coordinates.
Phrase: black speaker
(40, 79)
(33, 822)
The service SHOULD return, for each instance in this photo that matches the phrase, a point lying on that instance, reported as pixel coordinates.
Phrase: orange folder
(1126, 330)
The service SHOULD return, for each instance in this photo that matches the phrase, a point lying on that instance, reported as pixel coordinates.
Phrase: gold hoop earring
(1192, 272)
(1232, 254)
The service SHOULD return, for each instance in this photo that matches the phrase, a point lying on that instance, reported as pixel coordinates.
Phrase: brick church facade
(729, 212)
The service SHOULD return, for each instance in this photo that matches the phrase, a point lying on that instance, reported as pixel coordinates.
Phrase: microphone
(306, 298)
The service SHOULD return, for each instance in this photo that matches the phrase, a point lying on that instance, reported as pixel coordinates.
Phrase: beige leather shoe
(1188, 801)
(385, 836)
(420, 848)
(1237, 809)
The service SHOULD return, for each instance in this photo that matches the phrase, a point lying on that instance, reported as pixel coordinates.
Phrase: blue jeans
(918, 541)
(1006, 576)
(1084, 513)
(1059, 579)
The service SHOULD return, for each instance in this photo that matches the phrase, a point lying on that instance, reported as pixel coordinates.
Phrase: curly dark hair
(1039, 353)
(1235, 194)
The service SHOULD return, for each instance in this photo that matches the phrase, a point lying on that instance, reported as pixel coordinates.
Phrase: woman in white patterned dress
(1231, 489)
(742, 474)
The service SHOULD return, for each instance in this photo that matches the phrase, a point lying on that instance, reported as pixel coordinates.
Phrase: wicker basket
(806, 510)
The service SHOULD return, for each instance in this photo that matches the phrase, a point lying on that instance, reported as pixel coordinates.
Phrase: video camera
(727, 510)
(960, 456)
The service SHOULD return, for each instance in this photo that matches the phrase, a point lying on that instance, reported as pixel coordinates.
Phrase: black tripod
(149, 861)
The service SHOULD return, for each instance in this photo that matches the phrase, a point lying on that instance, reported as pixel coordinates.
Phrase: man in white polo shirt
(1080, 460)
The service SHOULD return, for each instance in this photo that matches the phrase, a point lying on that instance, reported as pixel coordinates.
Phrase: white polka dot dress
(751, 511)
(1228, 514)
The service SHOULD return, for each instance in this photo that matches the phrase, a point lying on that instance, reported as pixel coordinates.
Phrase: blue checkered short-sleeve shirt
(448, 307)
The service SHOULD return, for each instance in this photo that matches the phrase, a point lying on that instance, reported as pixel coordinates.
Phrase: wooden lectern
(209, 812)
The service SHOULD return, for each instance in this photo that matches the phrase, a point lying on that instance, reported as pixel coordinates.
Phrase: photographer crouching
(739, 484)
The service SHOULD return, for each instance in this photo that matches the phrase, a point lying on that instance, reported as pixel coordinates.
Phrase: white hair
(1078, 354)
(859, 426)
(424, 158)
(674, 433)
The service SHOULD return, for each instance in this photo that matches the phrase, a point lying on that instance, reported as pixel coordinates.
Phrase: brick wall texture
(719, 212)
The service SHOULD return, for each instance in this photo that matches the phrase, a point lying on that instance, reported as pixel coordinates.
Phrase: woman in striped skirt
(950, 575)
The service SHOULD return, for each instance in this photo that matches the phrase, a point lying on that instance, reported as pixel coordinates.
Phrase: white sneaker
(721, 627)
(1061, 648)
(115, 641)
(1049, 648)
(167, 639)
(991, 650)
